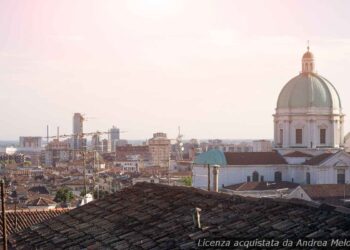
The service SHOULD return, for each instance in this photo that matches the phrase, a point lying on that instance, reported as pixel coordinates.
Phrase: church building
(308, 139)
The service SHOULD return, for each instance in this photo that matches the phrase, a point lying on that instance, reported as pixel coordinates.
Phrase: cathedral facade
(308, 139)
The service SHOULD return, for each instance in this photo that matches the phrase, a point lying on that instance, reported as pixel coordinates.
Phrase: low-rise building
(338, 194)
(41, 203)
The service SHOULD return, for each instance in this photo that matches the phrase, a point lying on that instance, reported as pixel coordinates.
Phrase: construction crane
(179, 148)
(80, 134)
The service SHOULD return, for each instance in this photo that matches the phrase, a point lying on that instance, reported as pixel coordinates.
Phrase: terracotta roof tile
(327, 191)
(254, 185)
(318, 159)
(136, 220)
(22, 219)
(40, 201)
(254, 158)
(297, 154)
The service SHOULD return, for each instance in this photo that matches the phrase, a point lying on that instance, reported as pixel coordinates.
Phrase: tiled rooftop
(40, 201)
(318, 159)
(327, 191)
(151, 216)
(297, 154)
(39, 189)
(261, 185)
(22, 219)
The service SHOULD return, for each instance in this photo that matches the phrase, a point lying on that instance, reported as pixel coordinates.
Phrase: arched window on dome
(255, 176)
(306, 67)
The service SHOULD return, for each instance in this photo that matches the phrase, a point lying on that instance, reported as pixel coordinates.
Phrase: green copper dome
(309, 90)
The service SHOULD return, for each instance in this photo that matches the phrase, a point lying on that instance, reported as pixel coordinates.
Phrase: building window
(278, 176)
(308, 178)
(248, 178)
(298, 136)
(262, 178)
(255, 176)
(281, 136)
(322, 136)
(341, 176)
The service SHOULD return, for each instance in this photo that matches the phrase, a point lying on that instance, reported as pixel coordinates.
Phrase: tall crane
(178, 145)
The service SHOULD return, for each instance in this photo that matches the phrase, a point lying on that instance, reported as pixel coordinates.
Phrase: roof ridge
(214, 194)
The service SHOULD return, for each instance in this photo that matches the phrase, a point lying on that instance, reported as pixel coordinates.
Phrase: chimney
(197, 217)
(208, 177)
(216, 177)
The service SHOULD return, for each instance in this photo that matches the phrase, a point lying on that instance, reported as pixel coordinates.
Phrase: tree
(187, 181)
(64, 195)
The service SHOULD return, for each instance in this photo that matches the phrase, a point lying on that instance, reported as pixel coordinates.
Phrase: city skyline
(153, 66)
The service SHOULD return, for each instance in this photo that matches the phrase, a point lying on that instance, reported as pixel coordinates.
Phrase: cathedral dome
(309, 90)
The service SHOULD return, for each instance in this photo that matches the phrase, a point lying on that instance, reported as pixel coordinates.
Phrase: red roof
(254, 158)
(297, 154)
(318, 159)
(41, 201)
(326, 191)
(22, 219)
(255, 185)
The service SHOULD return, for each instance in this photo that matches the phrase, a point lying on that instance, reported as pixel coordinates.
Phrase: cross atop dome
(308, 62)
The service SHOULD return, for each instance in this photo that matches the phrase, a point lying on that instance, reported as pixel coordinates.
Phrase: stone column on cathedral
(314, 139)
(275, 132)
(287, 128)
(332, 137)
(341, 142)
(285, 143)
(337, 132)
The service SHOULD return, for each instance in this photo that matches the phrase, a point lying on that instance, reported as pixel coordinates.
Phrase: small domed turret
(308, 62)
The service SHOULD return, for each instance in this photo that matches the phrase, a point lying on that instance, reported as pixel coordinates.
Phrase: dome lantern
(308, 62)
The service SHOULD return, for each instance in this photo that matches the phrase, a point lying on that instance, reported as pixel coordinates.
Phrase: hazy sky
(213, 67)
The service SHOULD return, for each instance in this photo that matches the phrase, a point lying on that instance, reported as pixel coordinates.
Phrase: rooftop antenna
(58, 133)
(308, 45)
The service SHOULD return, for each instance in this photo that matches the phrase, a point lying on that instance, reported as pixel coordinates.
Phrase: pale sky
(213, 67)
